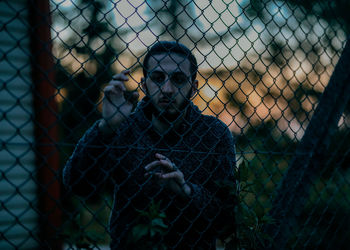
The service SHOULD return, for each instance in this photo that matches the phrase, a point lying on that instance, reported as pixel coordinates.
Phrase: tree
(93, 42)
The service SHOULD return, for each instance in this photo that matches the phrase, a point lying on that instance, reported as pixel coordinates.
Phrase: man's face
(168, 83)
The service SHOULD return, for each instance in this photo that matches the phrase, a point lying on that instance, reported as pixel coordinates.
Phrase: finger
(135, 96)
(166, 162)
(157, 175)
(152, 165)
(110, 90)
(171, 175)
(125, 72)
(118, 81)
(161, 157)
(154, 169)
(119, 85)
(167, 165)
(122, 76)
(131, 96)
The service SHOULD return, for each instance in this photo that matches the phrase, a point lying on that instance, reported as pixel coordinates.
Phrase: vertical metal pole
(46, 132)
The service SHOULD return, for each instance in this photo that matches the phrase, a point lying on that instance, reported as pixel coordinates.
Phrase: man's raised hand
(116, 107)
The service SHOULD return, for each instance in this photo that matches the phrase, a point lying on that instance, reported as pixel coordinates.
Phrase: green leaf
(153, 232)
(162, 215)
(76, 222)
(249, 216)
(243, 172)
(158, 222)
(154, 209)
(143, 213)
(139, 231)
(93, 237)
(267, 219)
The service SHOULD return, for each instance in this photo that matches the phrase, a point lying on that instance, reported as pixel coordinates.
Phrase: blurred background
(264, 68)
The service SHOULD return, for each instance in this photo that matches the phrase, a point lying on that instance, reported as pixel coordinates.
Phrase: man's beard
(166, 116)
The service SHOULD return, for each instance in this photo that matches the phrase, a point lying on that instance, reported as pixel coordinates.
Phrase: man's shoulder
(213, 133)
(213, 124)
(204, 120)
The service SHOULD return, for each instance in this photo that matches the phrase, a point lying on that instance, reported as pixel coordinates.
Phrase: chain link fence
(275, 72)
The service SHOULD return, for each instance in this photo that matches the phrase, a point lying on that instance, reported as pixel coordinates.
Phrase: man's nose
(167, 87)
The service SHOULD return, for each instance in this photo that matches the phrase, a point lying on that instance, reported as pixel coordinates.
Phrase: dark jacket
(202, 148)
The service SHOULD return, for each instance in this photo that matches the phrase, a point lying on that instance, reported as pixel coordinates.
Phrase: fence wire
(276, 73)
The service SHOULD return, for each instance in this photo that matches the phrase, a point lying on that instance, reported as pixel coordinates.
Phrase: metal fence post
(46, 125)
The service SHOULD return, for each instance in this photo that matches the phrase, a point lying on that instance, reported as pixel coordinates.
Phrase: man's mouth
(165, 101)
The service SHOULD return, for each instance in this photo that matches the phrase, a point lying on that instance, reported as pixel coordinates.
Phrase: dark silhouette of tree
(335, 12)
(93, 41)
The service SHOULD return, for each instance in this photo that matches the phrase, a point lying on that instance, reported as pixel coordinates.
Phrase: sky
(211, 17)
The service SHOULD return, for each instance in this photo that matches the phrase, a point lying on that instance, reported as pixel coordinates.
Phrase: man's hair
(171, 47)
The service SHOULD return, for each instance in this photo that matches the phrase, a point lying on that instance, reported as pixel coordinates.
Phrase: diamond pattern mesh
(276, 73)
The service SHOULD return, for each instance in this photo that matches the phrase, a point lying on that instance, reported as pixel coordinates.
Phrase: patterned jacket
(202, 148)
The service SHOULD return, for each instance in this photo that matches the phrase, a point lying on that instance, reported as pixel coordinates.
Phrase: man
(165, 152)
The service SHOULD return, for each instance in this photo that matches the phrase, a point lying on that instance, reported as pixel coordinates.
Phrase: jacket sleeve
(87, 169)
(215, 200)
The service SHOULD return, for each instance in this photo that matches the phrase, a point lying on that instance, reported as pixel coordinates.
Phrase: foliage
(78, 235)
(146, 234)
(249, 224)
(334, 12)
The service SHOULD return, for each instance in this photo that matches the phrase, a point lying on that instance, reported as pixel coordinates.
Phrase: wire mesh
(266, 69)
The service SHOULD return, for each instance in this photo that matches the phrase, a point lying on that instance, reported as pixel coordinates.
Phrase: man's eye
(158, 78)
(179, 79)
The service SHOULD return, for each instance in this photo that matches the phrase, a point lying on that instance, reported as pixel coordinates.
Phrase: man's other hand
(169, 175)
